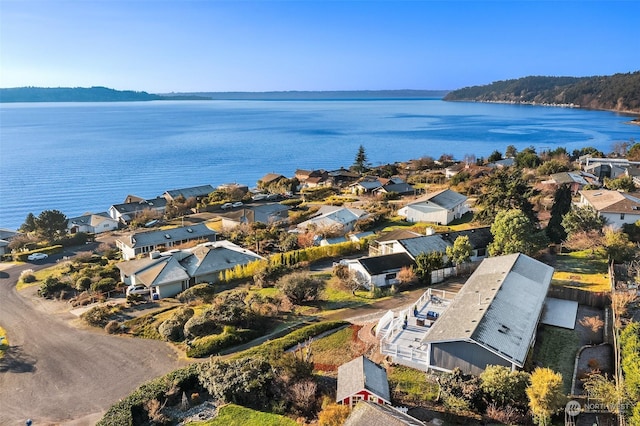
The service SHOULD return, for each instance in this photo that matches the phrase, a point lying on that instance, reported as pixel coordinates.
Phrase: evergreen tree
(561, 206)
(360, 164)
(505, 189)
(29, 224)
(513, 232)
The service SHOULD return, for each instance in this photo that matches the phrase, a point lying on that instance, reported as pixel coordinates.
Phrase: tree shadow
(15, 360)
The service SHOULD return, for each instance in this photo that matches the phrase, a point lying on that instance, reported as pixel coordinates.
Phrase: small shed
(362, 380)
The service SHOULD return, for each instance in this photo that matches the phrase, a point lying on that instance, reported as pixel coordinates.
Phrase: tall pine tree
(561, 206)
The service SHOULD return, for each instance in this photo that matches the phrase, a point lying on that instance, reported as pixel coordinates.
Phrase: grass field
(410, 385)
(329, 352)
(586, 270)
(556, 348)
(235, 415)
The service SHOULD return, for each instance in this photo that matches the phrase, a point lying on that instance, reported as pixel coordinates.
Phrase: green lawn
(235, 415)
(585, 269)
(410, 385)
(331, 351)
(556, 348)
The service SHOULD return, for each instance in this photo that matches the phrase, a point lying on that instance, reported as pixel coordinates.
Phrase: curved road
(56, 374)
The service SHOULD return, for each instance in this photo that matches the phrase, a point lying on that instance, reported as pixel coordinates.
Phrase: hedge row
(211, 345)
(290, 340)
(22, 256)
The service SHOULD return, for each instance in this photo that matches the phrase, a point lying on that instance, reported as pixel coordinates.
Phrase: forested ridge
(81, 94)
(618, 92)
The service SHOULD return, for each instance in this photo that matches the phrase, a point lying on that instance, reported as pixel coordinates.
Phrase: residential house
(453, 170)
(380, 271)
(397, 186)
(6, 235)
(441, 207)
(367, 413)
(575, 180)
(270, 179)
(342, 177)
(362, 380)
(335, 219)
(479, 326)
(365, 186)
(618, 208)
(479, 239)
(92, 223)
(312, 178)
(385, 242)
(169, 273)
(197, 192)
(505, 162)
(133, 206)
(268, 214)
(138, 243)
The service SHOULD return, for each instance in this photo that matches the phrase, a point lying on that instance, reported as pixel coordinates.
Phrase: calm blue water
(80, 157)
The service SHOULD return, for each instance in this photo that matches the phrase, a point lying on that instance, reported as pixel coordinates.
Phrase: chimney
(429, 231)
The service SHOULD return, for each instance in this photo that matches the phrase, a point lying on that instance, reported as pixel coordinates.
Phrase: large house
(133, 206)
(618, 208)
(441, 207)
(491, 321)
(138, 243)
(362, 380)
(167, 274)
(196, 192)
(337, 220)
(92, 223)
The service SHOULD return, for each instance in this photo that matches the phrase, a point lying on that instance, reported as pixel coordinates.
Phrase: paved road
(57, 374)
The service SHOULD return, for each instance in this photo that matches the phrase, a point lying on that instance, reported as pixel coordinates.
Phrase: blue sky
(162, 46)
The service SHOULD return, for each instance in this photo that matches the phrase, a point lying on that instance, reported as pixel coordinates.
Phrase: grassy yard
(57, 271)
(331, 351)
(410, 386)
(556, 348)
(235, 415)
(586, 270)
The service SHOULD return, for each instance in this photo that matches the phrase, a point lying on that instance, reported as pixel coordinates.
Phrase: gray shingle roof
(153, 203)
(215, 257)
(498, 307)
(194, 191)
(478, 237)
(152, 238)
(425, 244)
(367, 413)
(359, 374)
(377, 265)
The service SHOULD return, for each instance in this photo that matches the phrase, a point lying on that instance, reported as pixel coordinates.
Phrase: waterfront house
(133, 206)
(380, 271)
(342, 177)
(477, 327)
(138, 243)
(167, 274)
(441, 207)
(618, 208)
(6, 235)
(270, 213)
(92, 223)
(574, 180)
(362, 380)
(270, 179)
(334, 220)
(197, 192)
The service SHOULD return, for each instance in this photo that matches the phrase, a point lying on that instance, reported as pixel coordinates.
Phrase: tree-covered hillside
(619, 92)
(72, 94)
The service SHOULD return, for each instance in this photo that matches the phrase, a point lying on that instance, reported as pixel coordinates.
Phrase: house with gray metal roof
(494, 317)
(196, 192)
(362, 380)
(138, 243)
(441, 207)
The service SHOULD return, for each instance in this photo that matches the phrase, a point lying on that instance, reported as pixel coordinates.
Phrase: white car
(137, 289)
(237, 204)
(37, 256)
(226, 206)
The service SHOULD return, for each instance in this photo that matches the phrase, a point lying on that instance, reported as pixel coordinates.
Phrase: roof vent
(167, 236)
(189, 230)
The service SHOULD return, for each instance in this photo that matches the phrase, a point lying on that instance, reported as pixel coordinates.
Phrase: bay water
(85, 157)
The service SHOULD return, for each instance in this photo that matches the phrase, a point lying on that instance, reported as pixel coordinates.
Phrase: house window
(390, 276)
(621, 216)
(482, 252)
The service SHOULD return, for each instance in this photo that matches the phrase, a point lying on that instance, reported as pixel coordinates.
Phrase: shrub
(27, 276)
(99, 315)
(51, 287)
(173, 328)
(204, 292)
(104, 285)
(210, 345)
(300, 287)
(83, 283)
(112, 327)
(200, 325)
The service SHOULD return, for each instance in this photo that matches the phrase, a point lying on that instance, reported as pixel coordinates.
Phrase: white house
(138, 243)
(618, 208)
(339, 220)
(440, 207)
(92, 223)
(380, 271)
(133, 205)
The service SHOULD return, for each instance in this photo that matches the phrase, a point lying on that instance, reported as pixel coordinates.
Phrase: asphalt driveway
(58, 374)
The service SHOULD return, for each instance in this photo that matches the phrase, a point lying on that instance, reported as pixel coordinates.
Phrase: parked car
(138, 289)
(226, 206)
(259, 197)
(37, 256)
(237, 204)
